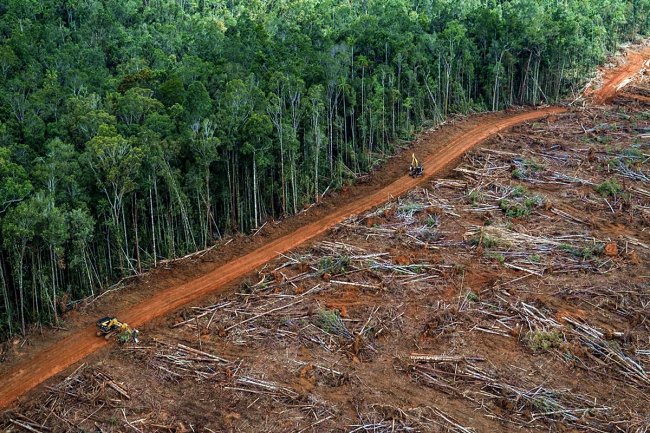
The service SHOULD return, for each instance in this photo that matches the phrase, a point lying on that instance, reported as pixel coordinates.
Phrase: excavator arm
(416, 169)
(414, 161)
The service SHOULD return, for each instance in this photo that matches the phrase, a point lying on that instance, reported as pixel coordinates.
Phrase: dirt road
(616, 79)
(83, 342)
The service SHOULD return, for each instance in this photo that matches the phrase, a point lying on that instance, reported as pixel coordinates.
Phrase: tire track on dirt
(67, 351)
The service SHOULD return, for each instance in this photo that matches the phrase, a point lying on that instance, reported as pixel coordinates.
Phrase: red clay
(62, 354)
(615, 79)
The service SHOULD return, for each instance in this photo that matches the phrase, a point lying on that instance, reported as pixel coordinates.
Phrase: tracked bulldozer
(416, 169)
(110, 326)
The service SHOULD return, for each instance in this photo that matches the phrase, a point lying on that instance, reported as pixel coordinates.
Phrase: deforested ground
(510, 295)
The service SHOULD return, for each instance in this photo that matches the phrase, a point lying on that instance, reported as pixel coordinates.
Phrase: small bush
(474, 197)
(525, 168)
(330, 322)
(522, 204)
(334, 265)
(472, 297)
(533, 165)
(410, 208)
(513, 209)
(431, 221)
(518, 173)
(584, 253)
(610, 187)
(485, 241)
(542, 341)
(632, 153)
(519, 191)
(498, 257)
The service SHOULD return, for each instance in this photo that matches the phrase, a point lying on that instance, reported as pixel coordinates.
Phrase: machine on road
(416, 169)
(110, 326)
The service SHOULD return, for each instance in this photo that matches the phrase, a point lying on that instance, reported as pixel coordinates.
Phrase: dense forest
(137, 130)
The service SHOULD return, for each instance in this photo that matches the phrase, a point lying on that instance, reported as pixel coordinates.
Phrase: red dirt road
(615, 79)
(82, 343)
(63, 353)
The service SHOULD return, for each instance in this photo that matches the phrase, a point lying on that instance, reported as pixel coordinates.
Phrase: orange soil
(62, 354)
(615, 79)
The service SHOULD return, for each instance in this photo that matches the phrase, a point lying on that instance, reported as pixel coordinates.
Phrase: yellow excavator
(416, 169)
(110, 326)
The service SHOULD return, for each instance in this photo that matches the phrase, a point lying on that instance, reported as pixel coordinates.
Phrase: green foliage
(124, 337)
(521, 203)
(609, 187)
(498, 257)
(585, 253)
(518, 174)
(334, 265)
(519, 191)
(432, 221)
(514, 209)
(474, 197)
(14, 182)
(525, 168)
(172, 92)
(330, 321)
(484, 240)
(543, 341)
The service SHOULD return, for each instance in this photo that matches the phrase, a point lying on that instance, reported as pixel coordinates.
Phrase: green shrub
(486, 241)
(584, 253)
(431, 221)
(522, 205)
(525, 168)
(334, 265)
(518, 174)
(533, 165)
(330, 322)
(610, 187)
(498, 257)
(519, 191)
(513, 209)
(473, 197)
(542, 341)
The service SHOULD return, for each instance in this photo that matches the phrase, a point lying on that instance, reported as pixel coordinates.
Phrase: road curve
(616, 79)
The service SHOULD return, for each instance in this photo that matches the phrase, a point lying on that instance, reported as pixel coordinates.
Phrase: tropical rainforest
(137, 130)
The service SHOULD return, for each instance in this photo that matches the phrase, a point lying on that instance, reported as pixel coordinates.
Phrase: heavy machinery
(110, 326)
(416, 169)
